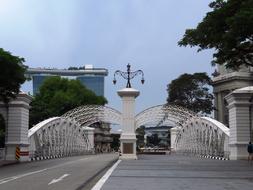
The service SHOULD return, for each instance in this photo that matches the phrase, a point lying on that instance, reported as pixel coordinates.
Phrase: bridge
(71, 134)
(193, 137)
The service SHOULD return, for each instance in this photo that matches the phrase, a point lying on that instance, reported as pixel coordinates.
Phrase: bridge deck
(175, 172)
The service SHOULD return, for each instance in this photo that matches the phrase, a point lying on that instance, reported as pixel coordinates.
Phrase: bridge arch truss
(56, 137)
(203, 136)
(89, 114)
(193, 134)
(66, 135)
(163, 115)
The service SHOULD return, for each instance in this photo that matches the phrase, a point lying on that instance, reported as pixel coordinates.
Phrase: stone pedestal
(128, 136)
(239, 102)
(17, 118)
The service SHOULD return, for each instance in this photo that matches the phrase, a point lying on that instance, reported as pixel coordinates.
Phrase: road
(70, 173)
(180, 172)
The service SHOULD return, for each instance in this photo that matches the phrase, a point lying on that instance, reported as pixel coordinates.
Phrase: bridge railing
(203, 136)
(56, 137)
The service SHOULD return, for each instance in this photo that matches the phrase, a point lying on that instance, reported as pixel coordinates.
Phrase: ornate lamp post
(128, 95)
(128, 75)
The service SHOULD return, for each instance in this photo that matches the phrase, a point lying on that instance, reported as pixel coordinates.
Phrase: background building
(162, 132)
(102, 137)
(224, 82)
(92, 78)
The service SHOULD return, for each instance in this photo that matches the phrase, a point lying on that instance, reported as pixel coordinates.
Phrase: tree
(115, 144)
(140, 133)
(168, 138)
(191, 91)
(153, 139)
(228, 28)
(58, 95)
(12, 75)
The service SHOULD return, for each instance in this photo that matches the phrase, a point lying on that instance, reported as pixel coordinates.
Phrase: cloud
(109, 34)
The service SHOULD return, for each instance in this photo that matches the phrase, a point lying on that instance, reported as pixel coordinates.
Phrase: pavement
(178, 172)
(70, 173)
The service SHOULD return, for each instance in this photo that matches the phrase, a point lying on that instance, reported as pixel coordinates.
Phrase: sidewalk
(176, 172)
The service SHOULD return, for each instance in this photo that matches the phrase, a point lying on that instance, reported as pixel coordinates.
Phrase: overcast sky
(108, 34)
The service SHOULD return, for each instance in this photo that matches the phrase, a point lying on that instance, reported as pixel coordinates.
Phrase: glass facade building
(94, 83)
(92, 78)
(37, 82)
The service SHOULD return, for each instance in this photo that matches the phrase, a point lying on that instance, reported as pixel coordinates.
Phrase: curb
(97, 174)
(39, 158)
(213, 157)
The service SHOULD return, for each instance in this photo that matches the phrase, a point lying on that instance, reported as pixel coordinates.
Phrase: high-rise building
(92, 78)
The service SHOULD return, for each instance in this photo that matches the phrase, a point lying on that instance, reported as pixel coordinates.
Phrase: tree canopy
(191, 91)
(12, 76)
(153, 139)
(58, 95)
(228, 28)
(140, 132)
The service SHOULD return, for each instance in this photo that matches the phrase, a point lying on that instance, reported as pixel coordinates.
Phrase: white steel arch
(203, 136)
(195, 134)
(56, 137)
(162, 115)
(65, 135)
(88, 114)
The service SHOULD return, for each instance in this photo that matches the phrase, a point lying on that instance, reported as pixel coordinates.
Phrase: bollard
(17, 153)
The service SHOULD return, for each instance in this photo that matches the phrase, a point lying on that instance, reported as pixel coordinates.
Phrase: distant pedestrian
(250, 151)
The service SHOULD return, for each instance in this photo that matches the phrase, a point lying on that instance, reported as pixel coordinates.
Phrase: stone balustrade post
(17, 119)
(239, 102)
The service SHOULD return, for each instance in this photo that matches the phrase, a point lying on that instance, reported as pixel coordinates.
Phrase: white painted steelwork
(89, 114)
(195, 134)
(162, 115)
(203, 136)
(65, 136)
(56, 137)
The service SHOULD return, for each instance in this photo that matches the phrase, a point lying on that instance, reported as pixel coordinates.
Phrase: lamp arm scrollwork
(128, 75)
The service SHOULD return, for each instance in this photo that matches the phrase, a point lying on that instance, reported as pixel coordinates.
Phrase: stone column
(216, 105)
(17, 118)
(128, 136)
(220, 104)
(173, 135)
(90, 134)
(239, 122)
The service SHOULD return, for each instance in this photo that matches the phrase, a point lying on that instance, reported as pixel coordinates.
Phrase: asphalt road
(70, 173)
(179, 172)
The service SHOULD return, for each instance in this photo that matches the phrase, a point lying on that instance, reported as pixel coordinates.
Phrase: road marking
(59, 179)
(8, 179)
(101, 182)
(5, 180)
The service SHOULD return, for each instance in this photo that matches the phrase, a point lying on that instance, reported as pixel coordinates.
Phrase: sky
(108, 34)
